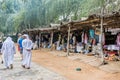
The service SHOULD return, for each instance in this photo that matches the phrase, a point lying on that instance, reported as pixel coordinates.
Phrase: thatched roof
(40, 30)
(54, 25)
(93, 21)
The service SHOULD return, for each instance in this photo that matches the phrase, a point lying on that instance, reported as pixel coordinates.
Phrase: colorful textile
(86, 39)
(92, 33)
(112, 47)
(82, 37)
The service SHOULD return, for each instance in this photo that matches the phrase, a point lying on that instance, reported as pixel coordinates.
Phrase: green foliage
(17, 15)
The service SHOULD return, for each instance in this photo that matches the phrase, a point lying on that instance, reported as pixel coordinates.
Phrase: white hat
(25, 35)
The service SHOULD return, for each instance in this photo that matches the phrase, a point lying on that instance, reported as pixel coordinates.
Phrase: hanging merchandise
(82, 37)
(74, 40)
(93, 42)
(118, 40)
(79, 47)
(92, 33)
(85, 39)
(112, 47)
(103, 39)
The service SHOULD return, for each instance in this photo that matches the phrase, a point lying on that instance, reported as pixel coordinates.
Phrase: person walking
(27, 54)
(19, 37)
(8, 51)
(20, 46)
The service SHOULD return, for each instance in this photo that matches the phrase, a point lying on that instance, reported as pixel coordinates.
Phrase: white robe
(27, 44)
(8, 50)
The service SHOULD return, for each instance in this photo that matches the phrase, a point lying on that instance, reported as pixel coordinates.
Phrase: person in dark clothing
(1, 43)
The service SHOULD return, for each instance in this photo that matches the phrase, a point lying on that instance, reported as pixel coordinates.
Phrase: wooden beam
(86, 22)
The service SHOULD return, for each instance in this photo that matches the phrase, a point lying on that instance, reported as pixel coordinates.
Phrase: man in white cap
(8, 51)
(27, 46)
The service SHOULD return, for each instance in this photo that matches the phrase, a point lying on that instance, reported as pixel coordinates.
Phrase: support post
(68, 41)
(39, 39)
(51, 43)
(101, 42)
(59, 39)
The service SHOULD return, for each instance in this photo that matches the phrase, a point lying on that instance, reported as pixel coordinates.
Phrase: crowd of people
(7, 50)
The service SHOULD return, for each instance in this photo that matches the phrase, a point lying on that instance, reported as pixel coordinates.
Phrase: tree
(22, 14)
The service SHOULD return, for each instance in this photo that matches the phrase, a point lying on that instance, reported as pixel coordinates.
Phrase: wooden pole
(51, 43)
(59, 39)
(101, 30)
(39, 39)
(68, 41)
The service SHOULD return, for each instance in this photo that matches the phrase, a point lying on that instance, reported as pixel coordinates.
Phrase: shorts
(21, 51)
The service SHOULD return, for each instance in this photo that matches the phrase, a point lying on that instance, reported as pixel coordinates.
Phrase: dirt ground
(67, 67)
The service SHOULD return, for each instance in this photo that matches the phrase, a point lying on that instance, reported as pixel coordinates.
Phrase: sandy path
(67, 67)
